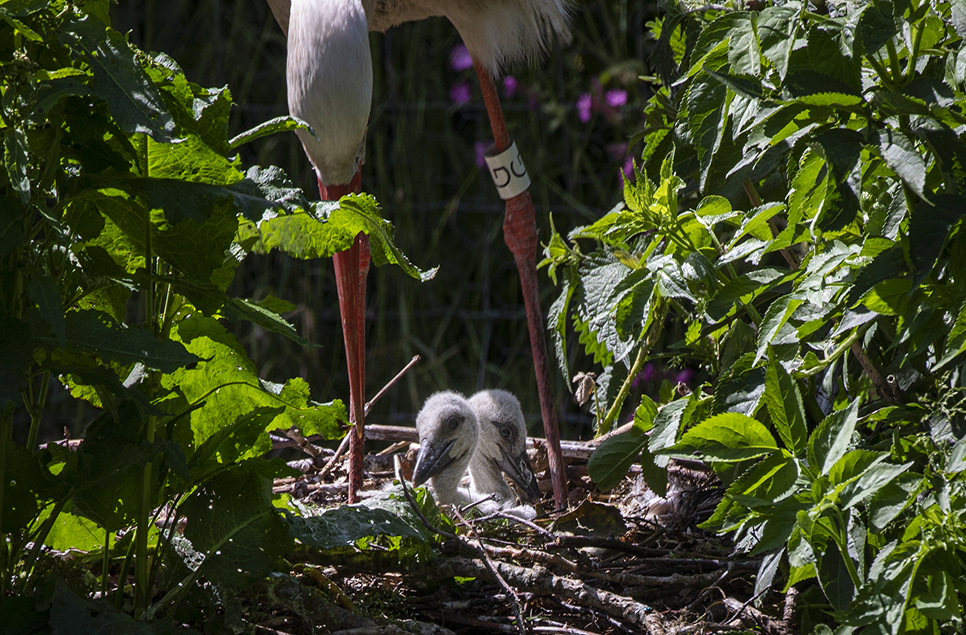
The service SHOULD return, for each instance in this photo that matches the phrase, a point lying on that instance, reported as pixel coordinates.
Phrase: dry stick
(391, 383)
(345, 440)
(788, 614)
(335, 457)
(489, 565)
(480, 552)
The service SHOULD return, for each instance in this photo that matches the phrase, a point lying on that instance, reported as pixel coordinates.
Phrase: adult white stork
(329, 76)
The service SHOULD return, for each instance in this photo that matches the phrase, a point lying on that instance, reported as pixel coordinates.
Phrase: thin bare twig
(391, 383)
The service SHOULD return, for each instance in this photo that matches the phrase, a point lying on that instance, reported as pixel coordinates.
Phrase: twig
(335, 457)
(391, 383)
(506, 587)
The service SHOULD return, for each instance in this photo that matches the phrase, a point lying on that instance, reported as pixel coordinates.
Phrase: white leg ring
(507, 170)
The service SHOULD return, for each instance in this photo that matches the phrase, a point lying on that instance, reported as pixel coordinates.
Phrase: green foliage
(794, 233)
(124, 216)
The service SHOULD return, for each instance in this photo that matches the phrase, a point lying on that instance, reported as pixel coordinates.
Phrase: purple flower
(683, 376)
(509, 86)
(459, 58)
(460, 93)
(649, 373)
(584, 104)
(616, 98)
(479, 149)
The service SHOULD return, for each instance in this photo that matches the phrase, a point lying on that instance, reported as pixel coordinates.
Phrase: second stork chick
(448, 435)
(502, 449)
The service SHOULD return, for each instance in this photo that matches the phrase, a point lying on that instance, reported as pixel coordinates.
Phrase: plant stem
(36, 410)
(841, 541)
(6, 436)
(657, 327)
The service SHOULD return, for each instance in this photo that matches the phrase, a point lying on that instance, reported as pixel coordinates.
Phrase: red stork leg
(520, 234)
(351, 269)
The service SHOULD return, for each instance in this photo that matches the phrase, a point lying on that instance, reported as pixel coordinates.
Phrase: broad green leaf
(232, 522)
(777, 32)
(831, 439)
(98, 333)
(227, 387)
(119, 80)
(742, 394)
(270, 127)
(773, 321)
(728, 437)
(770, 481)
(784, 403)
(333, 228)
(16, 356)
(609, 463)
(43, 291)
(346, 525)
(835, 579)
(900, 154)
(744, 289)
(238, 308)
(930, 223)
(15, 161)
(71, 614)
(895, 496)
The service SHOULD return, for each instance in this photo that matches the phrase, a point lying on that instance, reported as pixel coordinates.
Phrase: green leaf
(771, 324)
(15, 160)
(930, 223)
(100, 334)
(264, 129)
(900, 154)
(831, 439)
(769, 482)
(231, 520)
(238, 308)
(728, 437)
(614, 456)
(609, 463)
(119, 80)
(43, 291)
(895, 496)
(334, 228)
(16, 356)
(784, 403)
(346, 525)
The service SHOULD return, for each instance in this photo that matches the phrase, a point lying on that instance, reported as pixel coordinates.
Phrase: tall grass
(468, 324)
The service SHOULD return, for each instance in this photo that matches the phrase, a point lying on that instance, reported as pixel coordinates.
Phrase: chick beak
(518, 468)
(431, 460)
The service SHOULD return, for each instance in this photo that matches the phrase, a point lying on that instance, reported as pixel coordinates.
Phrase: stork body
(486, 433)
(502, 449)
(448, 435)
(329, 75)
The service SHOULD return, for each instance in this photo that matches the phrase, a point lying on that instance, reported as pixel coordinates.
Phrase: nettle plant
(123, 196)
(797, 219)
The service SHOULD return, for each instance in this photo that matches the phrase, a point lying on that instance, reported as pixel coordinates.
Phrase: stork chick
(448, 435)
(502, 449)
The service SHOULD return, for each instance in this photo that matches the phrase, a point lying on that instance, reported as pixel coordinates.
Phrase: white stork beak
(519, 469)
(431, 460)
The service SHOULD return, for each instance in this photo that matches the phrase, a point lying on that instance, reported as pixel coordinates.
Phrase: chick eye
(505, 433)
(453, 423)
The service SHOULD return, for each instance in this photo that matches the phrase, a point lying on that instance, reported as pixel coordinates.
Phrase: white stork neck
(329, 77)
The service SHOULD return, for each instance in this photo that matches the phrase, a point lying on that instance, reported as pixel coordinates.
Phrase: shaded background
(571, 114)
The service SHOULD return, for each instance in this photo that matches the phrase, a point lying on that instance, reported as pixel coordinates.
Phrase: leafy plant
(794, 232)
(125, 213)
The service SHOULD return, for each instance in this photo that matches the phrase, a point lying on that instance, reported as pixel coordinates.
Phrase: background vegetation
(427, 130)
(778, 294)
